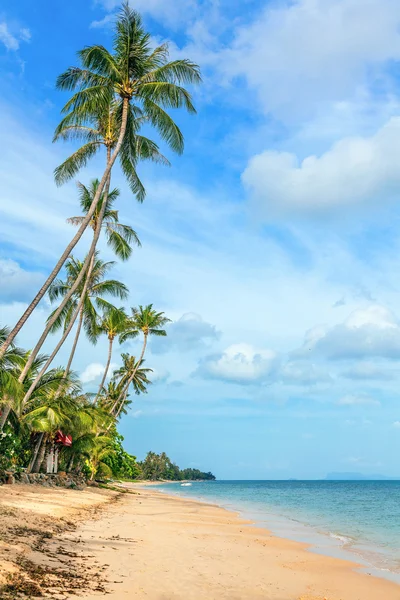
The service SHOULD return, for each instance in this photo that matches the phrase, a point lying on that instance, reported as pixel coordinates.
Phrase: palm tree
(147, 321)
(10, 365)
(94, 288)
(134, 81)
(112, 324)
(50, 415)
(86, 422)
(102, 448)
(119, 237)
(131, 373)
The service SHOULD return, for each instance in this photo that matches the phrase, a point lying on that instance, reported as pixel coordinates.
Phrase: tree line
(44, 409)
(158, 467)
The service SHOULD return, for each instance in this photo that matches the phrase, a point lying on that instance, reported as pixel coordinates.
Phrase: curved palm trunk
(41, 454)
(4, 416)
(74, 345)
(52, 356)
(67, 251)
(38, 445)
(124, 392)
(110, 346)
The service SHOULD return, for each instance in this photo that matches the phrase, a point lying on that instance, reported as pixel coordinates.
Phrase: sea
(354, 520)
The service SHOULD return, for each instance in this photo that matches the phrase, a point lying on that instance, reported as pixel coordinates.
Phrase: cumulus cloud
(303, 373)
(16, 283)
(11, 40)
(354, 171)
(357, 400)
(239, 363)
(95, 371)
(367, 371)
(373, 331)
(185, 334)
(313, 51)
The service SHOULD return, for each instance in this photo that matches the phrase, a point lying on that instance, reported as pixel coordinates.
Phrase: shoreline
(153, 545)
(319, 541)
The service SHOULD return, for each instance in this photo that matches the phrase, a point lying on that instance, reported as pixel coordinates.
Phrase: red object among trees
(62, 438)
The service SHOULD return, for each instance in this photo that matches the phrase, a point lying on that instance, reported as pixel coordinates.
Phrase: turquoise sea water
(342, 518)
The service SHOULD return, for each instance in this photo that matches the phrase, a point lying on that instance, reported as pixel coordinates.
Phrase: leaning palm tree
(147, 321)
(131, 373)
(134, 81)
(113, 324)
(88, 297)
(120, 237)
(10, 366)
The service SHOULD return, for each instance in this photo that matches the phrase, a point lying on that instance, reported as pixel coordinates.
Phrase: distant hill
(358, 477)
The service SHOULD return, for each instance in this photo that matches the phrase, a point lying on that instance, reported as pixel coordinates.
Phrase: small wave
(340, 538)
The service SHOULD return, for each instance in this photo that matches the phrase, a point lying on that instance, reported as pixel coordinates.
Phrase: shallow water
(358, 520)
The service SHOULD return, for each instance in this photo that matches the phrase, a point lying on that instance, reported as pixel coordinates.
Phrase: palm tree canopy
(147, 320)
(119, 237)
(133, 72)
(131, 365)
(113, 322)
(97, 288)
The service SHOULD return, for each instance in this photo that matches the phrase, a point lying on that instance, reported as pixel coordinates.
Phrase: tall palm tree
(131, 373)
(120, 237)
(94, 288)
(147, 321)
(113, 324)
(10, 365)
(131, 82)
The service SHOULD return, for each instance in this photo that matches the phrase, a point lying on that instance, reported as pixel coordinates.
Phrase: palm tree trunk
(69, 294)
(78, 332)
(70, 464)
(4, 416)
(68, 250)
(35, 453)
(40, 455)
(52, 356)
(124, 392)
(110, 345)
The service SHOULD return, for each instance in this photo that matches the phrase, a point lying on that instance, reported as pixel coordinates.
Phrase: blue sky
(272, 244)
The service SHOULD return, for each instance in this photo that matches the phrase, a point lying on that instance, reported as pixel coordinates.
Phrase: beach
(148, 544)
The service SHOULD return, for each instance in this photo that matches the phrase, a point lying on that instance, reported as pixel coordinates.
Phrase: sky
(272, 244)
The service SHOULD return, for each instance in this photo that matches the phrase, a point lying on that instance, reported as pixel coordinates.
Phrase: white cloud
(171, 12)
(373, 331)
(368, 371)
(187, 333)
(17, 283)
(92, 372)
(396, 424)
(357, 400)
(240, 363)
(105, 22)
(12, 40)
(136, 414)
(353, 171)
(303, 373)
(299, 54)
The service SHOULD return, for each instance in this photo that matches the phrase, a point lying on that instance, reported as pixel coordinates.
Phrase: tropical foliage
(46, 413)
(160, 467)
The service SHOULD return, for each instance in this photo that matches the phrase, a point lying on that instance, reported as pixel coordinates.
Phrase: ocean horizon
(357, 520)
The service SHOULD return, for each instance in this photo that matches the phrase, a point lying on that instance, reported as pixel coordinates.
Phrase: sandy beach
(147, 544)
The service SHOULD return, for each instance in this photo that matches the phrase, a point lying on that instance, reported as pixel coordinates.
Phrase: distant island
(158, 467)
(358, 477)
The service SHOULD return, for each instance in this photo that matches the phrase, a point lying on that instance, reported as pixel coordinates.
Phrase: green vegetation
(156, 467)
(44, 410)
